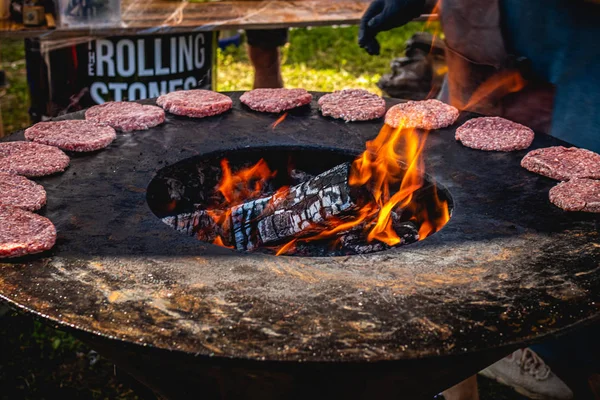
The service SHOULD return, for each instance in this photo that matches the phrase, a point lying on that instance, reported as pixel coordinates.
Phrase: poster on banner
(66, 77)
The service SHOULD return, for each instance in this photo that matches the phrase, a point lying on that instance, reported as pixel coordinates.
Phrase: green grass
(15, 101)
(321, 59)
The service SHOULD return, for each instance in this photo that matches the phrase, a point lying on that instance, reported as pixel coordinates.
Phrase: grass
(321, 59)
(14, 103)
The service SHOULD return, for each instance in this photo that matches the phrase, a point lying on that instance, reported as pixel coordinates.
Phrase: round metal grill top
(508, 267)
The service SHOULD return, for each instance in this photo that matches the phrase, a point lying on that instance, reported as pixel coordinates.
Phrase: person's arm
(383, 15)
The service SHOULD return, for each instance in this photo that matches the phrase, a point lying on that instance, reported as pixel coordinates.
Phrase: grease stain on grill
(181, 194)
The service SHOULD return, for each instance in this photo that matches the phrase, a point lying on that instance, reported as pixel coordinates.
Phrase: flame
(288, 247)
(495, 87)
(433, 16)
(279, 120)
(244, 184)
(430, 221)
(219, 242)
(380, 167)
(391, 169)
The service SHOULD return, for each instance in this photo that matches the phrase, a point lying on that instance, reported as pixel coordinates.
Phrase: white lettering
(95, 89)
(105, 54)
(123, 56)
(91, 64)
(175, 84)
(160, 70)
(173, 55)
(185, 53)
(137, 87)
(141, 55)
(118, 89)
(199, 45)
(190, 83)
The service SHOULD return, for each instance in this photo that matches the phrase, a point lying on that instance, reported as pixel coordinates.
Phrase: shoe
(527, 373)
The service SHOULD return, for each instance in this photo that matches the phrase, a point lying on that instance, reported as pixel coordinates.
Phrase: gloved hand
(383, 15)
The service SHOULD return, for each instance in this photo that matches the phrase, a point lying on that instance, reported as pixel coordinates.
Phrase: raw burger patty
(562, 163)
(125, 116)
(425, 114)
(31, 159)
(352, 105)
(18, 191)
(24, 232)
(494, 134)
(275, 100)
(195, 103)
(577, 195)
(72, 135)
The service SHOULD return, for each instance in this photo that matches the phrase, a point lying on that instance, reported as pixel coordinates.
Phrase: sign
(65, 78)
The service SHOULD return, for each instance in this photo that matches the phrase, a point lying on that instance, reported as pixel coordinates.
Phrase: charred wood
(298, 176)
(293, 213)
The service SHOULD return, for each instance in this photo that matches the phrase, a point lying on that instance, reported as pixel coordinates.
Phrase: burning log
(278, 217)
(298, 176)
(352, 242)
(296, 211)
(200, 223)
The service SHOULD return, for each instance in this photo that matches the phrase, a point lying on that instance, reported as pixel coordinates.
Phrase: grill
(190, 318)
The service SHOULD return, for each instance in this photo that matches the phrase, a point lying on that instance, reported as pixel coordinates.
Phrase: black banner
(66, 78)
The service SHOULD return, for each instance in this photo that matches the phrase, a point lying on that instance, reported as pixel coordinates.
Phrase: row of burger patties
(42, 154)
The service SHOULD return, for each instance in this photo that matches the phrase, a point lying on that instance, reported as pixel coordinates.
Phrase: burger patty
(72, 135)
(18, 191)
(31, 159)
(125, 116)
(577, 195)
(562, 163)
(275, 100)
(352, 105)
(24, 232)
(494, 134)
(197, 103)
(424, 114)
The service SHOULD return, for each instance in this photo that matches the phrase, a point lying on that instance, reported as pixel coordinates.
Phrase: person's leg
(264, 54)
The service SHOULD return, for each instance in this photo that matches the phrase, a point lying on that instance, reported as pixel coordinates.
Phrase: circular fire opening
(291, 201)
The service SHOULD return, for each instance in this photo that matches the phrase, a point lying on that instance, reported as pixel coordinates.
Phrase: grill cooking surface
(508, 267)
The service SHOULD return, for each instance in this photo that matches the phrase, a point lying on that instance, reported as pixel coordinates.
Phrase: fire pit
(316, 216)
(189, 317)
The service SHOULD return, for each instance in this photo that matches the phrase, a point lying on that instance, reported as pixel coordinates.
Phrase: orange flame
(288, 247)
(244, 184)
(380, 167)
(434, 16)
(495, 88)
(219, 242)
(279, 120)
(430, 220)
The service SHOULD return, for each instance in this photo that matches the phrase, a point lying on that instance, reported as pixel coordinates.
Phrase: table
(163, 16)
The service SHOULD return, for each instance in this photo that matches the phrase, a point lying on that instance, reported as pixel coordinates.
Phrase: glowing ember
(219, 242)
(279, 120)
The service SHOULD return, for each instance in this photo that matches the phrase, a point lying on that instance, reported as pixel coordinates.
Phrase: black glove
(383, 15)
